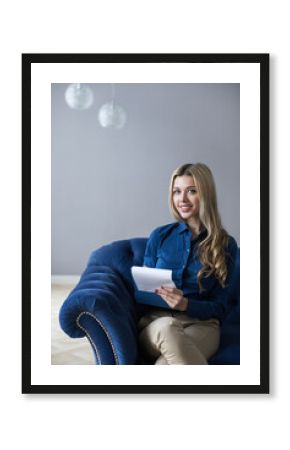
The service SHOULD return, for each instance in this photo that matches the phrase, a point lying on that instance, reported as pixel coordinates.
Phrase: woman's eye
(189, 191)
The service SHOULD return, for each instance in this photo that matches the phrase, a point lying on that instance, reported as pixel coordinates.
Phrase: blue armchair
(102, 308)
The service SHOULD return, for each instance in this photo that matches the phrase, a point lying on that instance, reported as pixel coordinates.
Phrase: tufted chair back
(121, 256)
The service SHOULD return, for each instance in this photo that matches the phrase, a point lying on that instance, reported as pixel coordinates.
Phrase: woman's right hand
(173, 297)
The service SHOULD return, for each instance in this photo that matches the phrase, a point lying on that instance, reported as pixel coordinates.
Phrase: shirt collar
(182, 226)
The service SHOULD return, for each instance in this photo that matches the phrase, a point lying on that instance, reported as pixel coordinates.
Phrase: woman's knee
(166, 325)
(166, 330)
(160, 329)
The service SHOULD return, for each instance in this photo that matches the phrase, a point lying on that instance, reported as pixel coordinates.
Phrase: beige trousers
(172, 337)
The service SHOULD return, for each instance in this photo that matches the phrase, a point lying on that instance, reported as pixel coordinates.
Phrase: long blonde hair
(212, 249)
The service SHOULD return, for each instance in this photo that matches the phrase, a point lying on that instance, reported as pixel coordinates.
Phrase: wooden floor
(65, 350)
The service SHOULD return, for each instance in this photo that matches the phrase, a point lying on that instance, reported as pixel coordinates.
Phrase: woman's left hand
(173, 297)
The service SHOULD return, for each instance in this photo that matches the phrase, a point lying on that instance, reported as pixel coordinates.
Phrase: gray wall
(110, 184)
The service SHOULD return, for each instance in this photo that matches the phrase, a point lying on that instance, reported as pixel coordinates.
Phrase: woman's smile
(185, 208)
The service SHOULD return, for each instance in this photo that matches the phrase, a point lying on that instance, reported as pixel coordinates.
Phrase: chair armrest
(101, 308)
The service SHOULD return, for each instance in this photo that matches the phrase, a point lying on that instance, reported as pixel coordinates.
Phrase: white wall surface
(201, 421)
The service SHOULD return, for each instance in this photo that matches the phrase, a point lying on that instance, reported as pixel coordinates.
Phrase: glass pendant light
(111, 114)
(79, 96)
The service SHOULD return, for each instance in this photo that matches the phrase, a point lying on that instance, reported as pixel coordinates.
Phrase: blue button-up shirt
(172, 247)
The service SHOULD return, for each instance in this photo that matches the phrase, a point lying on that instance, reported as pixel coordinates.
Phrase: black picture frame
(263, 61)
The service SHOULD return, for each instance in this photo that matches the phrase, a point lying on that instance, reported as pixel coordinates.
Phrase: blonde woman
(201, 255)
